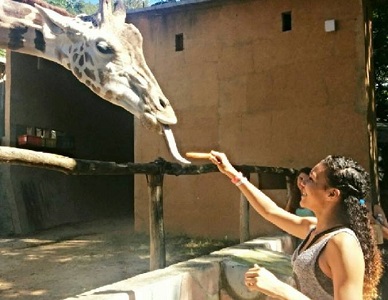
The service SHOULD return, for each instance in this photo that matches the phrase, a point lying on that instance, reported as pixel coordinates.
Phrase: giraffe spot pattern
(109, 95)
(39, 41)
(81, 61)
(89, 59)
(25, 11)
(95, 89)
(59, 55)
(16, 37)
(77, 72)
(90, 74)
(101, 76)
(20, 13)
(37, 21)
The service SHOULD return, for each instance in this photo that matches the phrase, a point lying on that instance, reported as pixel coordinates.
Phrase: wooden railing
(154, 172)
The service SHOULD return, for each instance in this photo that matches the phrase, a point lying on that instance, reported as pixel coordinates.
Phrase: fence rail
(154, 172)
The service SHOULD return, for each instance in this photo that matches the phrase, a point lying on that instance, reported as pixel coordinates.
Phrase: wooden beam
(73, 166)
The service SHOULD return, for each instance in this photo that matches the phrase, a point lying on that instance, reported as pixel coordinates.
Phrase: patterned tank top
(307, 275)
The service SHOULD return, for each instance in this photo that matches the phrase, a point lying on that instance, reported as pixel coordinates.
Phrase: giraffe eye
(104, 48)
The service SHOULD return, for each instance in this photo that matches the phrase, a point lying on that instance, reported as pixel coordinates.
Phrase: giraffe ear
(54, 21)
(56, 24)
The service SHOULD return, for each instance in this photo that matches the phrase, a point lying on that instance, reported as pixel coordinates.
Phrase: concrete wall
(266, 97)
(217, 276)
(45, 95)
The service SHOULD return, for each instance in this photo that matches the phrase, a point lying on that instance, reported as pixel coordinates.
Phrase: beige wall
(265, 97)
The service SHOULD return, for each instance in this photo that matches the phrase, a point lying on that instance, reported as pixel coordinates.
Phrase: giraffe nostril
(162, 103)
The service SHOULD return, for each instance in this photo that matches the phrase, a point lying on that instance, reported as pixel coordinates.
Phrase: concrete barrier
(217, 276)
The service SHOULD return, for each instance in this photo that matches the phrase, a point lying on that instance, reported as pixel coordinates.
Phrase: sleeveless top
(307, 275)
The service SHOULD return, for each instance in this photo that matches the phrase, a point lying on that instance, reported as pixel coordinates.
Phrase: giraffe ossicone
(103, 51)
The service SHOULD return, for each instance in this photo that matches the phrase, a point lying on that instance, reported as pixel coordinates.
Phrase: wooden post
(157, 238)
(244, 216)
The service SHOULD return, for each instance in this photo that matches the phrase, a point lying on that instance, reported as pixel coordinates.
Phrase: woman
(293, 203)
(338, 258)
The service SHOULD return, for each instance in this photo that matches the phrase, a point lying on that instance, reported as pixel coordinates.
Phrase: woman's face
(314, 188)
(302, 177)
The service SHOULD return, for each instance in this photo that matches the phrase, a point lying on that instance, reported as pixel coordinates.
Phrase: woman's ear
(334, 193)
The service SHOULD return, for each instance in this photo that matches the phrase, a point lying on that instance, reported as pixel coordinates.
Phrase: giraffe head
(106, 54)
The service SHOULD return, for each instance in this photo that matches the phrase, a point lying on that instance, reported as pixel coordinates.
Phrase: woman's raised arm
(268, 209)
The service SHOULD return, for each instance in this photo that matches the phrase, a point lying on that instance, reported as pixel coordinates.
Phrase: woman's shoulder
(343, 256)
(343, 246)
(344, 239)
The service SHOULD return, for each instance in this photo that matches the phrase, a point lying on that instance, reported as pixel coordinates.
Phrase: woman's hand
(262, 280)
(223, 164)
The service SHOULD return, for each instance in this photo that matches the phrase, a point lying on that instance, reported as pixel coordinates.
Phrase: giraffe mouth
(152, 123)
(172, 144)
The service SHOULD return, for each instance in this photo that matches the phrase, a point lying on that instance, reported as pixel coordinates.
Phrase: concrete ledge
(218, 276)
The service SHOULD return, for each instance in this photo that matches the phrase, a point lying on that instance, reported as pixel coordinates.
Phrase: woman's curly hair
(353, 182)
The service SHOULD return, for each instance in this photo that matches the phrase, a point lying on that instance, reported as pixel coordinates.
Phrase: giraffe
(103, 51)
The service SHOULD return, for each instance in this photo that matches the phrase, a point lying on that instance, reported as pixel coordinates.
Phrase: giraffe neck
(21, 31)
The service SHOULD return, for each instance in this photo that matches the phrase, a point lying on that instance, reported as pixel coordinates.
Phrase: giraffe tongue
(172, 145)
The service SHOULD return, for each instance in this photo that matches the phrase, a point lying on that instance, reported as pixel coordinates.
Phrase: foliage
(380, 53)
(75, 7)
(2, 52)
(80, 6)
(89, 8)
(131, 4)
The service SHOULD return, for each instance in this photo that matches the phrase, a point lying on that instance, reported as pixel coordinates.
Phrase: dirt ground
(72, 259)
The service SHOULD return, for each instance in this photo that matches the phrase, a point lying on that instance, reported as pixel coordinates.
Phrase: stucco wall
(263, 96)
